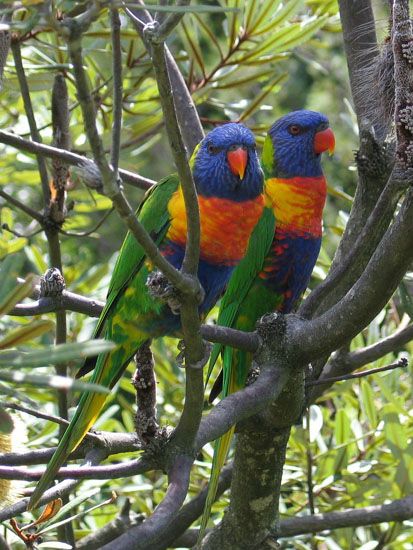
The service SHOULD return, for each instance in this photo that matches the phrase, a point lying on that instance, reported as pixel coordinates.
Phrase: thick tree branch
(366, 298)
(146, 535)
(360, 44)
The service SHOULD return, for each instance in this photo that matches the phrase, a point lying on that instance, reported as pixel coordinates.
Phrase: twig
(29, 211)
(58, 491)
(37, 414)
(71, 158)
(117, 89)
(362, 356)
(90, 231)
(113, 443)
(24, 88)
(5, 227)
(401, 363)
(67, 300)
(112, 471)
(398, 510)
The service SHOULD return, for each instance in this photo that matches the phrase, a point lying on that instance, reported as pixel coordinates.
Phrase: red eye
(294, 129)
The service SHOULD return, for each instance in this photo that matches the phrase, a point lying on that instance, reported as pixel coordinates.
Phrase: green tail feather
(221, 449)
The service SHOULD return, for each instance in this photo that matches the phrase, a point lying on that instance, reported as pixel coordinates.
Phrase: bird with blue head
(229, 183)
(282, 251)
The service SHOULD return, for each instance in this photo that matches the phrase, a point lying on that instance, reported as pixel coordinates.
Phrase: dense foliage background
(253, 65)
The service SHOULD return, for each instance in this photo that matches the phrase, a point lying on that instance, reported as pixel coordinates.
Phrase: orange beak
(324, 141)
(237, 160)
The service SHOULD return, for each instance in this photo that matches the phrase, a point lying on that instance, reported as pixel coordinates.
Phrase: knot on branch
(151, 32)
(52, 283)
(271, 330)
(374, 159)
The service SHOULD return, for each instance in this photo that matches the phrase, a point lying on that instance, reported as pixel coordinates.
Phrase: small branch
(60, 490)
(398, 510)
(112, 443)
(362, 356)
(247, 341)
(23, 207)
(37, 414)
(71, 158)
(90, 231)
(193, 510)
(66, 301)
(190, 262)
(242, 404)
(112, 471)
(24, 88)
(117, 89)
(402, 363)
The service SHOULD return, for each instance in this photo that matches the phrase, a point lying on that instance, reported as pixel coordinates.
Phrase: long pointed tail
(88, 409)
(221, 449)
(86, 413)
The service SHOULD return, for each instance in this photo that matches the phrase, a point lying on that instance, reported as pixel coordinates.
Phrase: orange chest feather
(225, 226)
(297, 202)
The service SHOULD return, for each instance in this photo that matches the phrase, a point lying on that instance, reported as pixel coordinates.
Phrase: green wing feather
(234, 364)
(244, 276)
(153, 214)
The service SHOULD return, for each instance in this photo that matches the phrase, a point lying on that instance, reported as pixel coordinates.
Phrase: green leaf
(16, 295)
(50, 381)
(183, 9)
(368, 403)
(54, 355)
(6, 423)
(28, 332)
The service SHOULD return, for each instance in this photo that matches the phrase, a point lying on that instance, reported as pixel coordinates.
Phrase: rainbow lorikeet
(282, 252)
(229, 183)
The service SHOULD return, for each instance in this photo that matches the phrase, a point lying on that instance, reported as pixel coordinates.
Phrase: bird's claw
(161, 289)
(181, 358)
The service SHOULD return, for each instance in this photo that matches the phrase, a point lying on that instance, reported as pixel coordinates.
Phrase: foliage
(252, 65)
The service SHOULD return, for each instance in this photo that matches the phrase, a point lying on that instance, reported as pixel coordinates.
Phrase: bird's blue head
(294, 145)
(225, 164)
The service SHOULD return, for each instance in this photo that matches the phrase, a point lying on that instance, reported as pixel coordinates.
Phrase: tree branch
(60, 490)
(146, 535)
(71, 158)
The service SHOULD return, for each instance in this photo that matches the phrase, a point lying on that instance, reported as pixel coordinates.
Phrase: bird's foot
(181, 358)
(161, 289)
